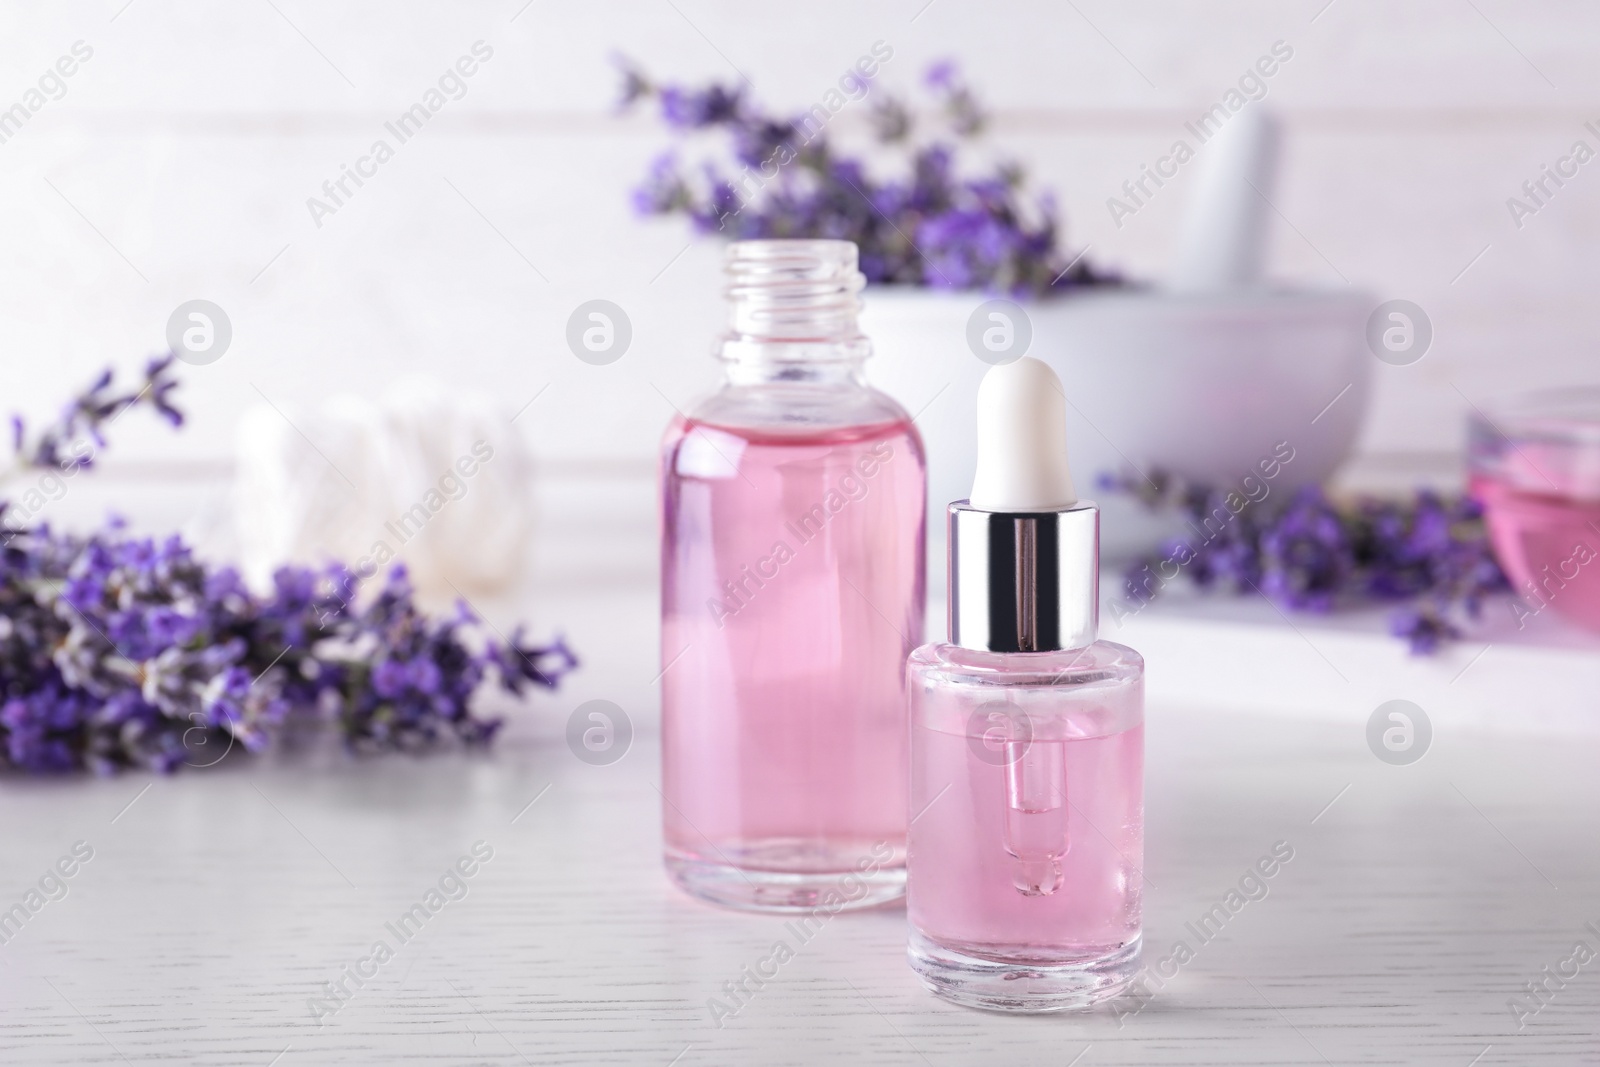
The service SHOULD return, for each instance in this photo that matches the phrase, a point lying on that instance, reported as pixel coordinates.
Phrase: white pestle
(1223, 246)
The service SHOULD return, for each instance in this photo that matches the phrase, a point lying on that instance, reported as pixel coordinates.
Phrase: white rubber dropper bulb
(1022, 440)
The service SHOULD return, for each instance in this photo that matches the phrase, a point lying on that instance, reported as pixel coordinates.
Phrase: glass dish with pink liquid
(793, 504)
(1534, 465)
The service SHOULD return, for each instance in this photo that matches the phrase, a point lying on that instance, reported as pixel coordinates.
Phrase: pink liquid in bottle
(792, 593)
(1026, 846)
(1008, 891)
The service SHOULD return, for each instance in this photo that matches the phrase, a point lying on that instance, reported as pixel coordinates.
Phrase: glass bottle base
(1022, 985)
(846, 888)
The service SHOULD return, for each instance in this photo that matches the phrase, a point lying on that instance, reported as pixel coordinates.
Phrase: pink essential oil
(792, 592)
(1535, 468)
(1027, 784)
(1026, 852)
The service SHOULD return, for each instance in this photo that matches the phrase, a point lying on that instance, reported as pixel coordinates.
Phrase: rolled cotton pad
(1022, 440)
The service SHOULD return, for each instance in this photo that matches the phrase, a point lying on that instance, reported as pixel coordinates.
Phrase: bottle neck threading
(793, 311)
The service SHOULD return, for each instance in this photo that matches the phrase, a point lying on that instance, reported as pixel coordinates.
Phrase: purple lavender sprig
(118, 651)
(928, 227)
(69, 443)
(1308, 552)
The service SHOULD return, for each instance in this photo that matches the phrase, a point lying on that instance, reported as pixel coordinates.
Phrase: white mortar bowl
(1205, 387)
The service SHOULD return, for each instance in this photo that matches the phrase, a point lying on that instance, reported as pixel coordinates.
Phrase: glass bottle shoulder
(779, 407)
(1076, 694)
(1104, 664)
(739, 425)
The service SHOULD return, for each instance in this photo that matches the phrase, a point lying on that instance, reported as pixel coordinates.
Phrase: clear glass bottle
(1026, 846)
(792, 590)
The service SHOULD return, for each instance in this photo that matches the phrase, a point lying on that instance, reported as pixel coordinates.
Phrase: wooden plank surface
(1419, 901)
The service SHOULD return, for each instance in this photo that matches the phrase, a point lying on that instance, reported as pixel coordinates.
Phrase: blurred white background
(179, 161)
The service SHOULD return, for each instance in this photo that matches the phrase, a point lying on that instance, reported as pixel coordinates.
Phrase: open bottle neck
(793, 311)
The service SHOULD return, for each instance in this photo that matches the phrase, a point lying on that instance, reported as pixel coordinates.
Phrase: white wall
(194, 136)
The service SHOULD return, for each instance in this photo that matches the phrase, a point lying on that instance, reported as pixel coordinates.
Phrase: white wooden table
(1420, 899)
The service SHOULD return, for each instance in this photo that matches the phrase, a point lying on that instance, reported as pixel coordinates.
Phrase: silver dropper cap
(1024, 581)
(1024, 550)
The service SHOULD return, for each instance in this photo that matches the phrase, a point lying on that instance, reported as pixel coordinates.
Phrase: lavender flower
(1306, 556)
(960, 106)
(118, 651)
(687, 109)
(1311, 553)
(929, 227)
(68, 444)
